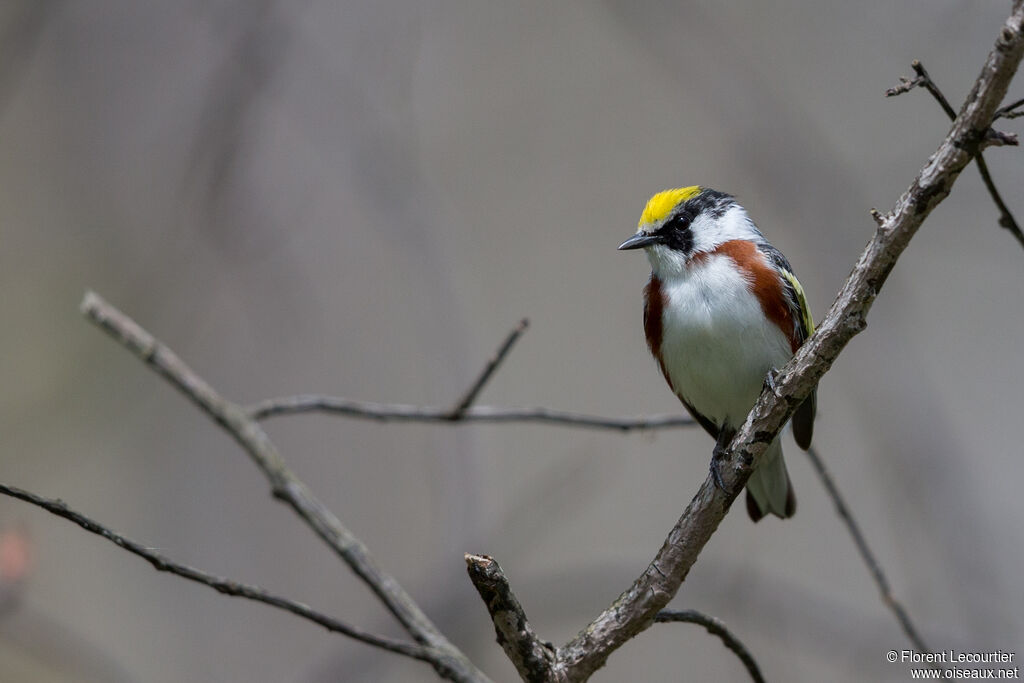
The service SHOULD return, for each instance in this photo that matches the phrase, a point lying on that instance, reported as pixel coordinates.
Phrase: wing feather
(803, 418)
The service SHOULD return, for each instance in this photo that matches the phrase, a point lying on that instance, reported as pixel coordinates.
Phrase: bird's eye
(677, 234)
(680, 221)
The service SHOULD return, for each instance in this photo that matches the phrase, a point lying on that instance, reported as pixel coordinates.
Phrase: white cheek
(709, 232)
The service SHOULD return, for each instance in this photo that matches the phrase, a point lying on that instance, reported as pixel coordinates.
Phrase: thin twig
(716, 628)
(219, 584)
(474, 390)
(285, 486)
(866, 554)
(1008, 112)
(924, 80)
(905, 85)
(401, 412)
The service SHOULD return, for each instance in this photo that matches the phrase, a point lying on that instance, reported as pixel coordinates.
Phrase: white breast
(717, 345)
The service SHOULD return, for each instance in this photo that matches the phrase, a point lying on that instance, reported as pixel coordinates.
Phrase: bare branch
(474, 390)
(865, 552)
(219, 584)
(401, 412)
(1008, 112)
(1006, 219)
(636, 608)
(998, 138)
(925, 81)
(992, 137)
(716, 628)
(285, 486)
(532, 658)
(463, 410)
(536, 660)
(905, 85)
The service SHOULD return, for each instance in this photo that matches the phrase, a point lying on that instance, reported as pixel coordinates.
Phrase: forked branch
(446, 659)
(992, 137)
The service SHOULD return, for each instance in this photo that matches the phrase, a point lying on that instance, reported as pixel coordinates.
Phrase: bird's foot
(717, 457)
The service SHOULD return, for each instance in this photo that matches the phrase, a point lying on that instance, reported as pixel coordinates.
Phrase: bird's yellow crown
(660, 205)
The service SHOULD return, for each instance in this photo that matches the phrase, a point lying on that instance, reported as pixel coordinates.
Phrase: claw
(716, 467)
(718, 455)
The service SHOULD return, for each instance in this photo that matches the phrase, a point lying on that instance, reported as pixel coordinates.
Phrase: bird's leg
(718, 455)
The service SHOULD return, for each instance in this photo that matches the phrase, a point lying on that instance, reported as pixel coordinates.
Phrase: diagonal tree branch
(636, 609)
(219, 584)
(484, 570)
(285, 486)
(412, 413)
(716, 628)
(481, 568)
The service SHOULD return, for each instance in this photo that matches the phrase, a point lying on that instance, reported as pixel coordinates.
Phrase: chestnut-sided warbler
(722, 310)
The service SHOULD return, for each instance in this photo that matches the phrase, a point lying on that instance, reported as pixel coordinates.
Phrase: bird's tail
(769, 489)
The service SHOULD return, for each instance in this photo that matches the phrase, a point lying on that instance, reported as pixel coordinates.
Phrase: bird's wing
(795, 298)
(803, 324)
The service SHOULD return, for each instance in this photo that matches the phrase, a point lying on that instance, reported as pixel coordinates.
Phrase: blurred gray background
(361, 199)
